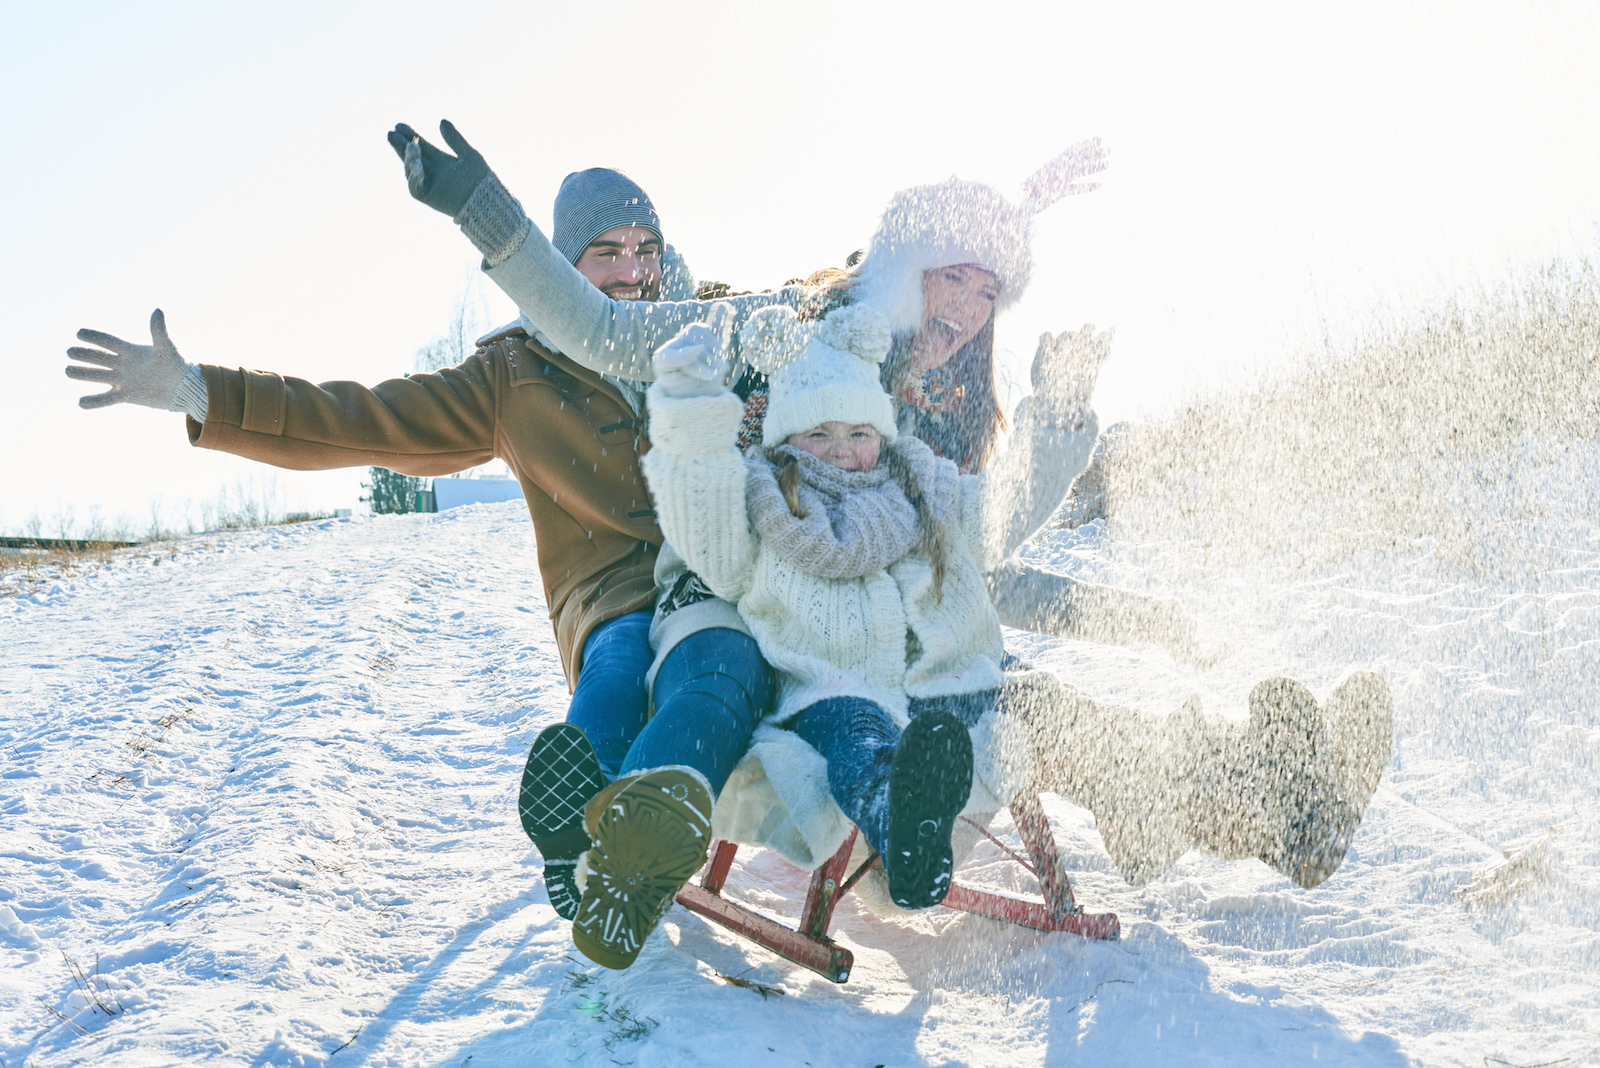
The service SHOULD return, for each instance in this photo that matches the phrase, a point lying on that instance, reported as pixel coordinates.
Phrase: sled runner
(809, 944)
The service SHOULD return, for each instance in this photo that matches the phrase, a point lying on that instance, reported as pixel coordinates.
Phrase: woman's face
(956, 303)
(847, 446)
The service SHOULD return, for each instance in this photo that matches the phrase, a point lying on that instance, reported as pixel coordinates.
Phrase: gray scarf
(857, 522)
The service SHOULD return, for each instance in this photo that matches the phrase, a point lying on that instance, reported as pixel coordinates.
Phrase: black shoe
(562, 775)
(928, 786)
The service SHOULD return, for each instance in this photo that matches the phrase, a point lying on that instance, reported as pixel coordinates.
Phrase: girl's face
(956, 303)
(849, 447)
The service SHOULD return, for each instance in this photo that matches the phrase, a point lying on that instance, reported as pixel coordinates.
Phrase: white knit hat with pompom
(820, 372)
(941, 225)
(959, 222)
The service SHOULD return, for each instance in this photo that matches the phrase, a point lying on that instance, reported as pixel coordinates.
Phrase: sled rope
(1013, 853)
(859, 872)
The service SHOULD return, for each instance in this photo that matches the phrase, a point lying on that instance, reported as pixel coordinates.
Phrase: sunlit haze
(1281, 176)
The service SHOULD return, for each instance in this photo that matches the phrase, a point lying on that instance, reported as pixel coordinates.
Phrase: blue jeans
(610, 702)
(967, 707)
(712, 690)
(858, 739)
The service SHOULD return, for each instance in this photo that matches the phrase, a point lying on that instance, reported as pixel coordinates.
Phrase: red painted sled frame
(809, 944)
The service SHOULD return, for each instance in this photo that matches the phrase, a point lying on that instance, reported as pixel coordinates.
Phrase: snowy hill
(259, 788)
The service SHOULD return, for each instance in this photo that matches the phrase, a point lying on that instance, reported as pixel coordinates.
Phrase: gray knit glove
(1065, 368)
(464, 188)
(693, 364)
(153, 375)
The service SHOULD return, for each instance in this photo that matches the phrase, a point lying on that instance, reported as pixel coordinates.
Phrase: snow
(259, 787)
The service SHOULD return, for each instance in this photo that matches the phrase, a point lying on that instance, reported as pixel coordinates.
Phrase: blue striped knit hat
(596, 200)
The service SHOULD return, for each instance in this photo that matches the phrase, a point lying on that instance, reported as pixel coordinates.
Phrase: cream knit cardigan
(849, 637)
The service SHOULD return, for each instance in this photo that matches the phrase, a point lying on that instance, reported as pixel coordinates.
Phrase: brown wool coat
(566, 433)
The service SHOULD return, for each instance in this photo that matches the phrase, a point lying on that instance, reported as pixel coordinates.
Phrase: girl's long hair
(932, 544)
(789, 485)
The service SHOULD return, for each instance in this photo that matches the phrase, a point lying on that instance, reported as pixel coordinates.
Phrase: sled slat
(832, 962)
(824, 892)
(1034, 827)
(1032, 913)
(722, 854)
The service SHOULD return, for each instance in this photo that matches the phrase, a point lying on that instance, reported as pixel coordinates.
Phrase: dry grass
(1419, 433)
(96, 994)
(25, 572)
(1514, 873)
(142, 743)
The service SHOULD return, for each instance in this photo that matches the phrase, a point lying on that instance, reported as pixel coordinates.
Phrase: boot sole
(649, 841)
(561, 884)
(929, 783)
(561, 775)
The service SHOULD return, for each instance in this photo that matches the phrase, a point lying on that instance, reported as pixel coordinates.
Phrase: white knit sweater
(885, 637)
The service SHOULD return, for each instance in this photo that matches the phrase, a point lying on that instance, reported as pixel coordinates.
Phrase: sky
(1283, 176)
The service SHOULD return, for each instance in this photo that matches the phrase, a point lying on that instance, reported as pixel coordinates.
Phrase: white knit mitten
(153, 375)
(1065, 368)
(693, 364)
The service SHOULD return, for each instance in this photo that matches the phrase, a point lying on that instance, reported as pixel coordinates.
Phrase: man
(572, 438)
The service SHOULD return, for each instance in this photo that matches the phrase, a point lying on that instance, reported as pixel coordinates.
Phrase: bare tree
(469, 320)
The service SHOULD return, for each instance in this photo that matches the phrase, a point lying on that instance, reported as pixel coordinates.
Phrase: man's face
(624, 263)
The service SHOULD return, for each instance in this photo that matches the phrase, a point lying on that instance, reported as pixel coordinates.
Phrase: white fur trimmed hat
(820, 372)
(931, 226)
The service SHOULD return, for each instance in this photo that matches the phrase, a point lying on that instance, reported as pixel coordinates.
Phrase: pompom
(858, 329)
(771, 339)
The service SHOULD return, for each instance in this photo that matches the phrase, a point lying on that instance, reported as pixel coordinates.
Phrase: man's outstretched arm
(429, 424)
(615, 337)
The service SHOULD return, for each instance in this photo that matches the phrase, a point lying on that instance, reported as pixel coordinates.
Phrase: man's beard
(650, 290)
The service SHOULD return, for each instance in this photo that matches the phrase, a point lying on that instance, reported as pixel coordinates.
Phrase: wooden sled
(810, 946)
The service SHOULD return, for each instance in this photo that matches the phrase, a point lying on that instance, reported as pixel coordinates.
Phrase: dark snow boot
(597, 804)
(929, 783)
(561, 776)
(650, 838)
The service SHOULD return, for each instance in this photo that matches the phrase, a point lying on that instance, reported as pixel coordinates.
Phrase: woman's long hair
(970, 425)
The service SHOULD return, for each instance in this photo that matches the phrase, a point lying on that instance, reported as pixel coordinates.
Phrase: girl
(856, 557)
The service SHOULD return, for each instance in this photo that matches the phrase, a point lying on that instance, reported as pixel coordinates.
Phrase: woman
(1287, 786)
